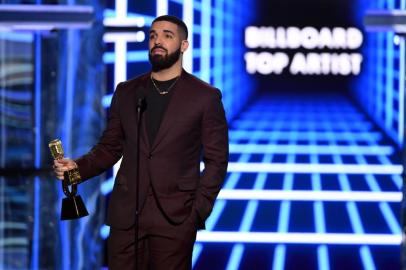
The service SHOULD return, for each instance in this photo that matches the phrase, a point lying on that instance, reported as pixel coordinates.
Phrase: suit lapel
(170, 114)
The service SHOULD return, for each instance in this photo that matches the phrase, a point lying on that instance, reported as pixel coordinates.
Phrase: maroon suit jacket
(193, 128)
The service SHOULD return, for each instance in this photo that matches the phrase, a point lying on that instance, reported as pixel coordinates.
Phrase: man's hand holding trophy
(67, 171)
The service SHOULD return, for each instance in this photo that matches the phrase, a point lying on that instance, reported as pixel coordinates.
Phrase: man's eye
(168, 36)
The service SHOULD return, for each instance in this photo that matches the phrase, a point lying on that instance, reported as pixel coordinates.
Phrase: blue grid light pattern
(292, 135)
(380, 89)
(327, 225)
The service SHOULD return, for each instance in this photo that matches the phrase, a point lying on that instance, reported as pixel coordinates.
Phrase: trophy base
(73, 208)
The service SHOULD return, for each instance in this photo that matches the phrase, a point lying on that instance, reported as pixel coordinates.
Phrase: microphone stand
(140, 107)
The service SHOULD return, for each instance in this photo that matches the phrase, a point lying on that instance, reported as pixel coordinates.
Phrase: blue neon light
(239, 134)
(279, 257)
(132, 56)
(17, 37)
(108, 13)
(283, 224)
(319, 217)
(248, 218)
(398, 181)
(313, 149)
(197, 250)
(366, 257)
(37, 160)
(355, 219)
(235, 257)
(380, 90)
(323, 258)
(342, 123)
(390, 218)
(104, 231)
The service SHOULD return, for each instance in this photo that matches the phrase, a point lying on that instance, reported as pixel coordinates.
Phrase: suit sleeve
(215, 156)
(110, 146)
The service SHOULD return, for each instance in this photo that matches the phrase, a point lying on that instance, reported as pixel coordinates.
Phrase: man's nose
(157, 40)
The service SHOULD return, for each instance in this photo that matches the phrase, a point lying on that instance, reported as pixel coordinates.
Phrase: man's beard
(160, 62)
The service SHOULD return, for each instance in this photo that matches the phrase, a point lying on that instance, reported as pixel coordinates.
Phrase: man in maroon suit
(183, 124)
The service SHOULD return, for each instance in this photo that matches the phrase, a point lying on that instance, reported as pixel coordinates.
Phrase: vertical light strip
(188, 19)
(120, 47)
(323, 258)
(121, 9)
(230, 183)
(120, 68)
(351, 206)
(380, 76)
(398, 181)
(366, 257)
(3, 140)
(390, 218)
(322, 251)
(218, 44)
(283, 224)
(390, 86)
(401, 116)
(37, 160)
(387, 213)
(205, 37)
(355, 219)
(247, 219)
(71, 49)
(197, 250)
(283, 221)
(120, 63)
(161, 7)
(235, 257)
(120, 73)
(402, 100)
(279, 257)
(389, 81)
(218, 208)
(3, 85)
(229, 31)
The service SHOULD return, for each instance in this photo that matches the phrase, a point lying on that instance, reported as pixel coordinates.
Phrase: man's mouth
(158, 50)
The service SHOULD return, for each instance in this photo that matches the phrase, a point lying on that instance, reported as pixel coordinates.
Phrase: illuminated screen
(304, 45)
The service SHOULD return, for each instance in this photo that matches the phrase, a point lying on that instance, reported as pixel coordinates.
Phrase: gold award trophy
(72, 206)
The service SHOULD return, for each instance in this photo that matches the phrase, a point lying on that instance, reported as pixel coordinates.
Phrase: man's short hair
(173, 19)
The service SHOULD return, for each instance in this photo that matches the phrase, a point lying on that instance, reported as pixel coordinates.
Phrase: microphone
(141, 100)
(141, 106)
(141, 103)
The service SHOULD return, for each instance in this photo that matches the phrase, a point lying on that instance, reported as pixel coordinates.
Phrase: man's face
(165, 45)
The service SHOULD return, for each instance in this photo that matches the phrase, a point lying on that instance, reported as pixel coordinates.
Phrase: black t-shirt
(156, 106)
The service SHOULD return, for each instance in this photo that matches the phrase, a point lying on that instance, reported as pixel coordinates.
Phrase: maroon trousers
(161, 245)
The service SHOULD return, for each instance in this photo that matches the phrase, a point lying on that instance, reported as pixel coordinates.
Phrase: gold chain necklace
(167, 90)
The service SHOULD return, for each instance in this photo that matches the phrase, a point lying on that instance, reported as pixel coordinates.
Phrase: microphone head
(141, 100)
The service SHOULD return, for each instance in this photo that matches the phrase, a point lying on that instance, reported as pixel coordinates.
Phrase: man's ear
(184, 45)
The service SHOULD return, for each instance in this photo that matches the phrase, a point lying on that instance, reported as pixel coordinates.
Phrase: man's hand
(63, 165)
